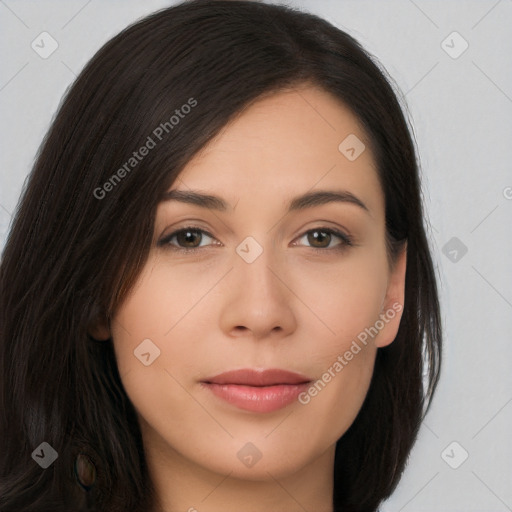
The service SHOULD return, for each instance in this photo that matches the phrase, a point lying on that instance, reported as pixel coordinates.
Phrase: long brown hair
(71, 256)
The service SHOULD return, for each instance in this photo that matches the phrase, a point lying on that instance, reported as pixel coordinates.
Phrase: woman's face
(267, 288)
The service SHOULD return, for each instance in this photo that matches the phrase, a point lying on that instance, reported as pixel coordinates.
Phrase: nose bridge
(257, 264)
(257, 301)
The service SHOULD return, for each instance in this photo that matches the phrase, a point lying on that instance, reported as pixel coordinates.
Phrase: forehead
(283, 145)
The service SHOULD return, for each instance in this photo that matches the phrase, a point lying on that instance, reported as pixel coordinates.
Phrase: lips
(248, 377)
(257, 390)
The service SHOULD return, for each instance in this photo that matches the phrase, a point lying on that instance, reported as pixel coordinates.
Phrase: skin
(295, 307)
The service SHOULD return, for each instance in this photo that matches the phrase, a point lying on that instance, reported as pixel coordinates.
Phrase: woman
(217, 293)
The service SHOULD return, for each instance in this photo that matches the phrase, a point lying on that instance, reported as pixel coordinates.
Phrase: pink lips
(258, 391)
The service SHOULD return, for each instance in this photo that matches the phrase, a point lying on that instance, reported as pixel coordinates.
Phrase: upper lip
(252, 377)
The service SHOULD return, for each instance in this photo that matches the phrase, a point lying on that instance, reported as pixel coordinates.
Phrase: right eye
(188, 239)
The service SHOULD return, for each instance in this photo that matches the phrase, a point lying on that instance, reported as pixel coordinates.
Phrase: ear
(99, 328)
(393, 303)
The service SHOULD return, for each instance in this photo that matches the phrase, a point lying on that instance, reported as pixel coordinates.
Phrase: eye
(187, 239)
(321, 238)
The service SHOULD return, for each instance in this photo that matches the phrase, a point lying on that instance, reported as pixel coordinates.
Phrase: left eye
(190, 238)
(321, 235)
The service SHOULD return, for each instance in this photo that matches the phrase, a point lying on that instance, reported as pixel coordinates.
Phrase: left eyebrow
(302, 202)
(320, 197)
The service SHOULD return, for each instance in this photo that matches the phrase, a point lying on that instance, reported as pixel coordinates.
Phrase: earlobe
(393, 304)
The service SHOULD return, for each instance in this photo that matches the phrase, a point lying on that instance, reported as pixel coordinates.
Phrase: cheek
(336, 398)
(348, 302)
(346, 296)
(155, 309)
(166, 306)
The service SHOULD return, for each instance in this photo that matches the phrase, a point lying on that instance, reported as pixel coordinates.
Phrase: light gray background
(460, 109)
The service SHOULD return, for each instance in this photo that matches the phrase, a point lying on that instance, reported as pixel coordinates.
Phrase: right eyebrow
(196, 198)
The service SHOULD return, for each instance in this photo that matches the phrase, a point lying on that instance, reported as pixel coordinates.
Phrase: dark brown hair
(71, 257)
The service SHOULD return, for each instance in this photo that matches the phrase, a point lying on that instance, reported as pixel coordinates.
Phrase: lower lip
(258, 399)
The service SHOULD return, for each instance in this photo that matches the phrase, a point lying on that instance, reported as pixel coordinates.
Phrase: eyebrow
(302, 202)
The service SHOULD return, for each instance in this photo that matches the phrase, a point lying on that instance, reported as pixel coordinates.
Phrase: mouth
(257, 390)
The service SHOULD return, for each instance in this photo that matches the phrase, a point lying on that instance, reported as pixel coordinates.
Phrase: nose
(258, 300)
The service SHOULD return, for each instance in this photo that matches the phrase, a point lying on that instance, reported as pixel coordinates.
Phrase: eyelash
(346, 241)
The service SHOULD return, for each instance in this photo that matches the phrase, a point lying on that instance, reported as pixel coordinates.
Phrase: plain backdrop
(451, 60)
